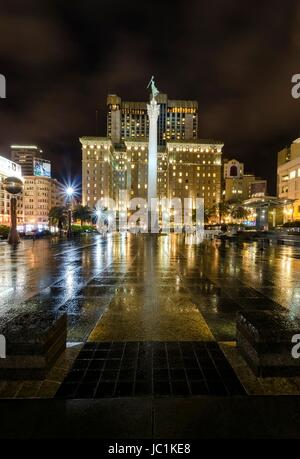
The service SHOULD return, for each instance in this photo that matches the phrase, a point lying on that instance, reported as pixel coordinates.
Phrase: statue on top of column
(154, 89)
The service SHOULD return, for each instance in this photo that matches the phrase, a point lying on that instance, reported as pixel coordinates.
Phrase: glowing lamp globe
(70, 191)
(13, 185)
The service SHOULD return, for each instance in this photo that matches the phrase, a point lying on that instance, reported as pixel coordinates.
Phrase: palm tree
(82, 213)
(239, 213)
(223, 210)
(209, 213)
(58, 217)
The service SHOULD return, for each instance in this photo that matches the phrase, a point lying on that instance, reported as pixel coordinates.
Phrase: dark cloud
(61, 58)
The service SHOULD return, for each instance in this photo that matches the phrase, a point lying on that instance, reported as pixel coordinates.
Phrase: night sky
(237, 58)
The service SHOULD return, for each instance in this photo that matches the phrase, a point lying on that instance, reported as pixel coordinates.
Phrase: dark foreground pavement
(193, 418)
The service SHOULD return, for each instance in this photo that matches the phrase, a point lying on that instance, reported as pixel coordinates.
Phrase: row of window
(291, 176)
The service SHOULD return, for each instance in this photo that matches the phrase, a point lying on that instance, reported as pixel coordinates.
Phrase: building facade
(289, 153)
(39, 195)
(190, 169)
(186, 168)
(98, 170)
(239, 186)
(289, 187)
(178, 120)
(30, 158)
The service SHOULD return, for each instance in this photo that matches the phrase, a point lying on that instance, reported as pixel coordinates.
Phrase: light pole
(13, 186)
(70, 194)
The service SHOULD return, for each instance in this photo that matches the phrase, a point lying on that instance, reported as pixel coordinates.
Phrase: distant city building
(194, 170)
(30, 158)
(239, 186)
(8, 169)
(40, 194)
(185, 170)
(178, 120)
(288, 173)
(289, 153)
(187, 167)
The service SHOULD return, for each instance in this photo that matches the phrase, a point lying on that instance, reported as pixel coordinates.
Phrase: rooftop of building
(24, 147)
(266, 201)
(197, 142)
(122, 145)
(162, 98)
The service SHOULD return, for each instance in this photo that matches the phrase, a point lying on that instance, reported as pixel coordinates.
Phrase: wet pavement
(150, 369)
(148, 288)
(135, 289)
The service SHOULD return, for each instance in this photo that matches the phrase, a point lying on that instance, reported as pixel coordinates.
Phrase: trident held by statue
(154, 89)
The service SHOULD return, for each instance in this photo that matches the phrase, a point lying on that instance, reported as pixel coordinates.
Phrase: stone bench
(264, 339)
(34, 341)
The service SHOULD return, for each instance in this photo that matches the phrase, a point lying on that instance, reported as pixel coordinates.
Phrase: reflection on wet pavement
(134, 369)
(139, 288)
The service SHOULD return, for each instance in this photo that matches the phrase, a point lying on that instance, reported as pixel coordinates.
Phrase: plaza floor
(149, 316)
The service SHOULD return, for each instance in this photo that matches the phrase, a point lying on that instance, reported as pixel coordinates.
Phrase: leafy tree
(4, 231)
(82, 213)
(210, 213)
(58, 217)
(239, 213)
(222, 209)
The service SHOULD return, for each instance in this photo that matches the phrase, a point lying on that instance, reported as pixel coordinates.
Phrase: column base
(13, 237)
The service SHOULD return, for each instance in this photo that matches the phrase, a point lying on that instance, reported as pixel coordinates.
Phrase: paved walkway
(185, 419)
(151, 325)
(155, 287)
(149, 288)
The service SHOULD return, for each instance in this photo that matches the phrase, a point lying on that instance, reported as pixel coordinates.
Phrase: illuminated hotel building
(194, 170)
(39, 195)
(239, 186)
(288, 173)
(178, 120)
(99, 167)
(187, 167)
(185, 170)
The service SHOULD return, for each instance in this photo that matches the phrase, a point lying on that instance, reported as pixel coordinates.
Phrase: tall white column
(153, 114)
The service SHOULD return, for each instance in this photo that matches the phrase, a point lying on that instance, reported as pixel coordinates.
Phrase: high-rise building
(289, 185)
(286, 155)
(289, 153)
(185, 170)
(178, 120)
(194, 171)
(239, 186)
(29, 157)
(98, 169)
(187, 167)
(39, 195)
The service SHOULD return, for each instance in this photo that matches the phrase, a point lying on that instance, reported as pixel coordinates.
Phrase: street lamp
(13, 186)
(70, 194)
